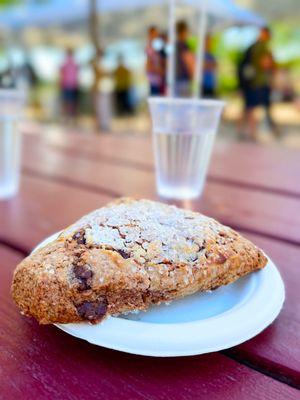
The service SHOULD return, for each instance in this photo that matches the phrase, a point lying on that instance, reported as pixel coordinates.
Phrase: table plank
(266, 213)
(277, 349)
(273, 358)
(275, 169)
(42, 362)
(254, 211)
(277, 352)
(41, 208)
(271, 168)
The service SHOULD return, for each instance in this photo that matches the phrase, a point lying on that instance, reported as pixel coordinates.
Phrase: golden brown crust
(77, 278)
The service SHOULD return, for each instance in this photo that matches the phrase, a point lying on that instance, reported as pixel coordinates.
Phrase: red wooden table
(254, 189)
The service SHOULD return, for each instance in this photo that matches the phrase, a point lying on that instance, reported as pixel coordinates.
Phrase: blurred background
(88, 66)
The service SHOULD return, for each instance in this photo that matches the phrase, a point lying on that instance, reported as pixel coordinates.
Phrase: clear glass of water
(11, 106)
(183, 136)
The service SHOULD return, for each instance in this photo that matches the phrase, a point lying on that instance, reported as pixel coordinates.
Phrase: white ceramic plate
(201, 323)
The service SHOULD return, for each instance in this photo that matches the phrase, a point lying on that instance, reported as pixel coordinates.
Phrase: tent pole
(202, 28)
(172, 50)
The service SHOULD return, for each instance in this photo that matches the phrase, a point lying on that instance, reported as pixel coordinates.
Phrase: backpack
(246, 71)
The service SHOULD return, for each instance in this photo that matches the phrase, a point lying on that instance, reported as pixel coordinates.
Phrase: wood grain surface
(268, 168)
(241, 207)
(254, 189)
(42, 362)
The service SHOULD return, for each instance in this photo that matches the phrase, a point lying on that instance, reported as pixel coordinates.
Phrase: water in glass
(9, 157)
(181, 163)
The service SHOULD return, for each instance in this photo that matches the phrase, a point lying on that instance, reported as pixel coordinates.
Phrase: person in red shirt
(154, 67)
(69, 84)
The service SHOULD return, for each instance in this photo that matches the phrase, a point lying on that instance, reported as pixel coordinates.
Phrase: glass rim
(186, 100)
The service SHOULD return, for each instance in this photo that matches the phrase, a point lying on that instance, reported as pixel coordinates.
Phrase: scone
(128, 256)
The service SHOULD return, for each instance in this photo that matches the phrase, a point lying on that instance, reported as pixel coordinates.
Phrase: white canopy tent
(59, 12)
(56, 12)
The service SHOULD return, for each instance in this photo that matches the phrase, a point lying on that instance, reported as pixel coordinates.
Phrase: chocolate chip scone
(127, 256)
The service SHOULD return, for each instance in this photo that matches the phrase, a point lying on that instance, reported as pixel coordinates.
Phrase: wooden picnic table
(255, 189)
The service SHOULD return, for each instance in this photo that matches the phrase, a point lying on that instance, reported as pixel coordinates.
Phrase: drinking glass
(11, 106)
(183, 136)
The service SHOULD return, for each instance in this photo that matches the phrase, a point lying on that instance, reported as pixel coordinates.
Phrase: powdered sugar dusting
(148, 231)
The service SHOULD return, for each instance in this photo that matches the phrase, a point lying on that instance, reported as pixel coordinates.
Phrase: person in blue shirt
(209, 71)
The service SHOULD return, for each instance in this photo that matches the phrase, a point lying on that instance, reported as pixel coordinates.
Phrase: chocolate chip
(83, 273)
(123, 253)
(79, 237)
(145, 296)
(83, 285)
(92, 311)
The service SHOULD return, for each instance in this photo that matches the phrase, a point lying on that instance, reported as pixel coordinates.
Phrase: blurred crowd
(185, 63)
(121, 77)
(121, 99)
(256, 72)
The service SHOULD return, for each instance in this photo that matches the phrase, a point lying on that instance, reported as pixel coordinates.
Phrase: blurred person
(30, 74)
(28, 80)
(164, 59)
(123, 85)
(185, 61)
(101, 93)
(209, 70)
(69, 84)
(154, 68)
(255, 73)
(26, 77)
(8, 78)
(265, 66)
(98, 71)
